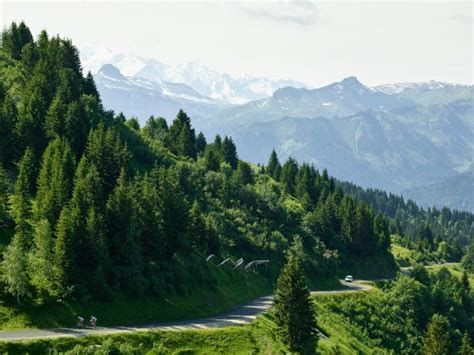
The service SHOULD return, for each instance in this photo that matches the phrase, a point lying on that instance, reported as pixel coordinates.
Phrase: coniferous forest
(93, 206)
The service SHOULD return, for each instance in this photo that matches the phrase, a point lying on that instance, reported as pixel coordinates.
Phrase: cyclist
(80, 321)
(93, 321)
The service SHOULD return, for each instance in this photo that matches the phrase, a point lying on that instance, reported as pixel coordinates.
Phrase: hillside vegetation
(96, 208)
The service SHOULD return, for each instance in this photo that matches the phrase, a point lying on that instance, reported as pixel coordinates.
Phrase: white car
(349, 278)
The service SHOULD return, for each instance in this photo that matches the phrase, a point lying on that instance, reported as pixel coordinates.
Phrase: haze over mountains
(397, 137)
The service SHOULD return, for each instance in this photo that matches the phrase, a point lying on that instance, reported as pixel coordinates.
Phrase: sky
(316, 42)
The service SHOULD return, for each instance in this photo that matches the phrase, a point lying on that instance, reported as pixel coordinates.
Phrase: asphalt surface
(241, 315)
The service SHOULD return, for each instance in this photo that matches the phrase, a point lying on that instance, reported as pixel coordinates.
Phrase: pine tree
(20, 201)
(211, 158)
(89, 87)
(244, 174)
(466, 348)
(14, 272)
(229, 152)
(437, 339)
(76, 249)
(174, 216)
(124, 242)
(197, 228)
(15, 38)
(40, 266)
(181, 137)
(200, 143)
(32, 113)
(54, 181)
(288, 175)
(108, 154)
(273, 166)
(4, 193)
(382, 232)
(293, 309)
(8, 121)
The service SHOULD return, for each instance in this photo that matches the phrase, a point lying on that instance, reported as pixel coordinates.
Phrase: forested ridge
(92, 205)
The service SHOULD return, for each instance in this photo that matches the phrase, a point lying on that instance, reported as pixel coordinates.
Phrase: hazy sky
(314, 42)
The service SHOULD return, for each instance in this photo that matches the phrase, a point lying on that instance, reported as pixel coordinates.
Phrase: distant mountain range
(219, 86)
(135, 96)
(398, 137)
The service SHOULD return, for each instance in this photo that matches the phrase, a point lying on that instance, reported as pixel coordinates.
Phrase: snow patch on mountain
(398, 88)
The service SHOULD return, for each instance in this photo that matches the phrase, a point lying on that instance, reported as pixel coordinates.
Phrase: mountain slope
(393, 150)
(456, 192)
(338, 99)
(143, 98)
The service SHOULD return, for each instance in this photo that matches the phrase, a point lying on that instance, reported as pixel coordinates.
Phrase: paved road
(239, 316)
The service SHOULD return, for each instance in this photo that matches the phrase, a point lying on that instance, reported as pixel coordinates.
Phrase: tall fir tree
(20, 200)
(54, 181)
(200, 143)
(124, 242)
(181, 137)
(273, 166)
(41, 269)
(229, 152)
(437, 339)
(78, 254)
(14, 273)
(294, 313)
(288, 175)
(244, 173)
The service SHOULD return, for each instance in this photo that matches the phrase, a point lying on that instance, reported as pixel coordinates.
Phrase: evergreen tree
(20, 204)
(4, 193)
(54, 181)
(197, 228)
(273, 166)
(15, 38)
(89, 87)
(181, 137)
(382, 232)
(108, 154)
(288, 175)
(14, 272)
(8, 121)
(174, 215)
(211, 158)
(40, 265)
(294, 313)
(200, 143)
(244, 174)
(156, 128)
(466, 348)
(78, 253)
(31, 116)
(437, 339)
(229, 152)
(124, 242)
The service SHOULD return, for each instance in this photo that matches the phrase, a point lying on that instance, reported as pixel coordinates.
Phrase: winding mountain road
(241, 315)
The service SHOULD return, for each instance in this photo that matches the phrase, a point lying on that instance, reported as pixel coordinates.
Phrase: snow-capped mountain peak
(206, 81)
